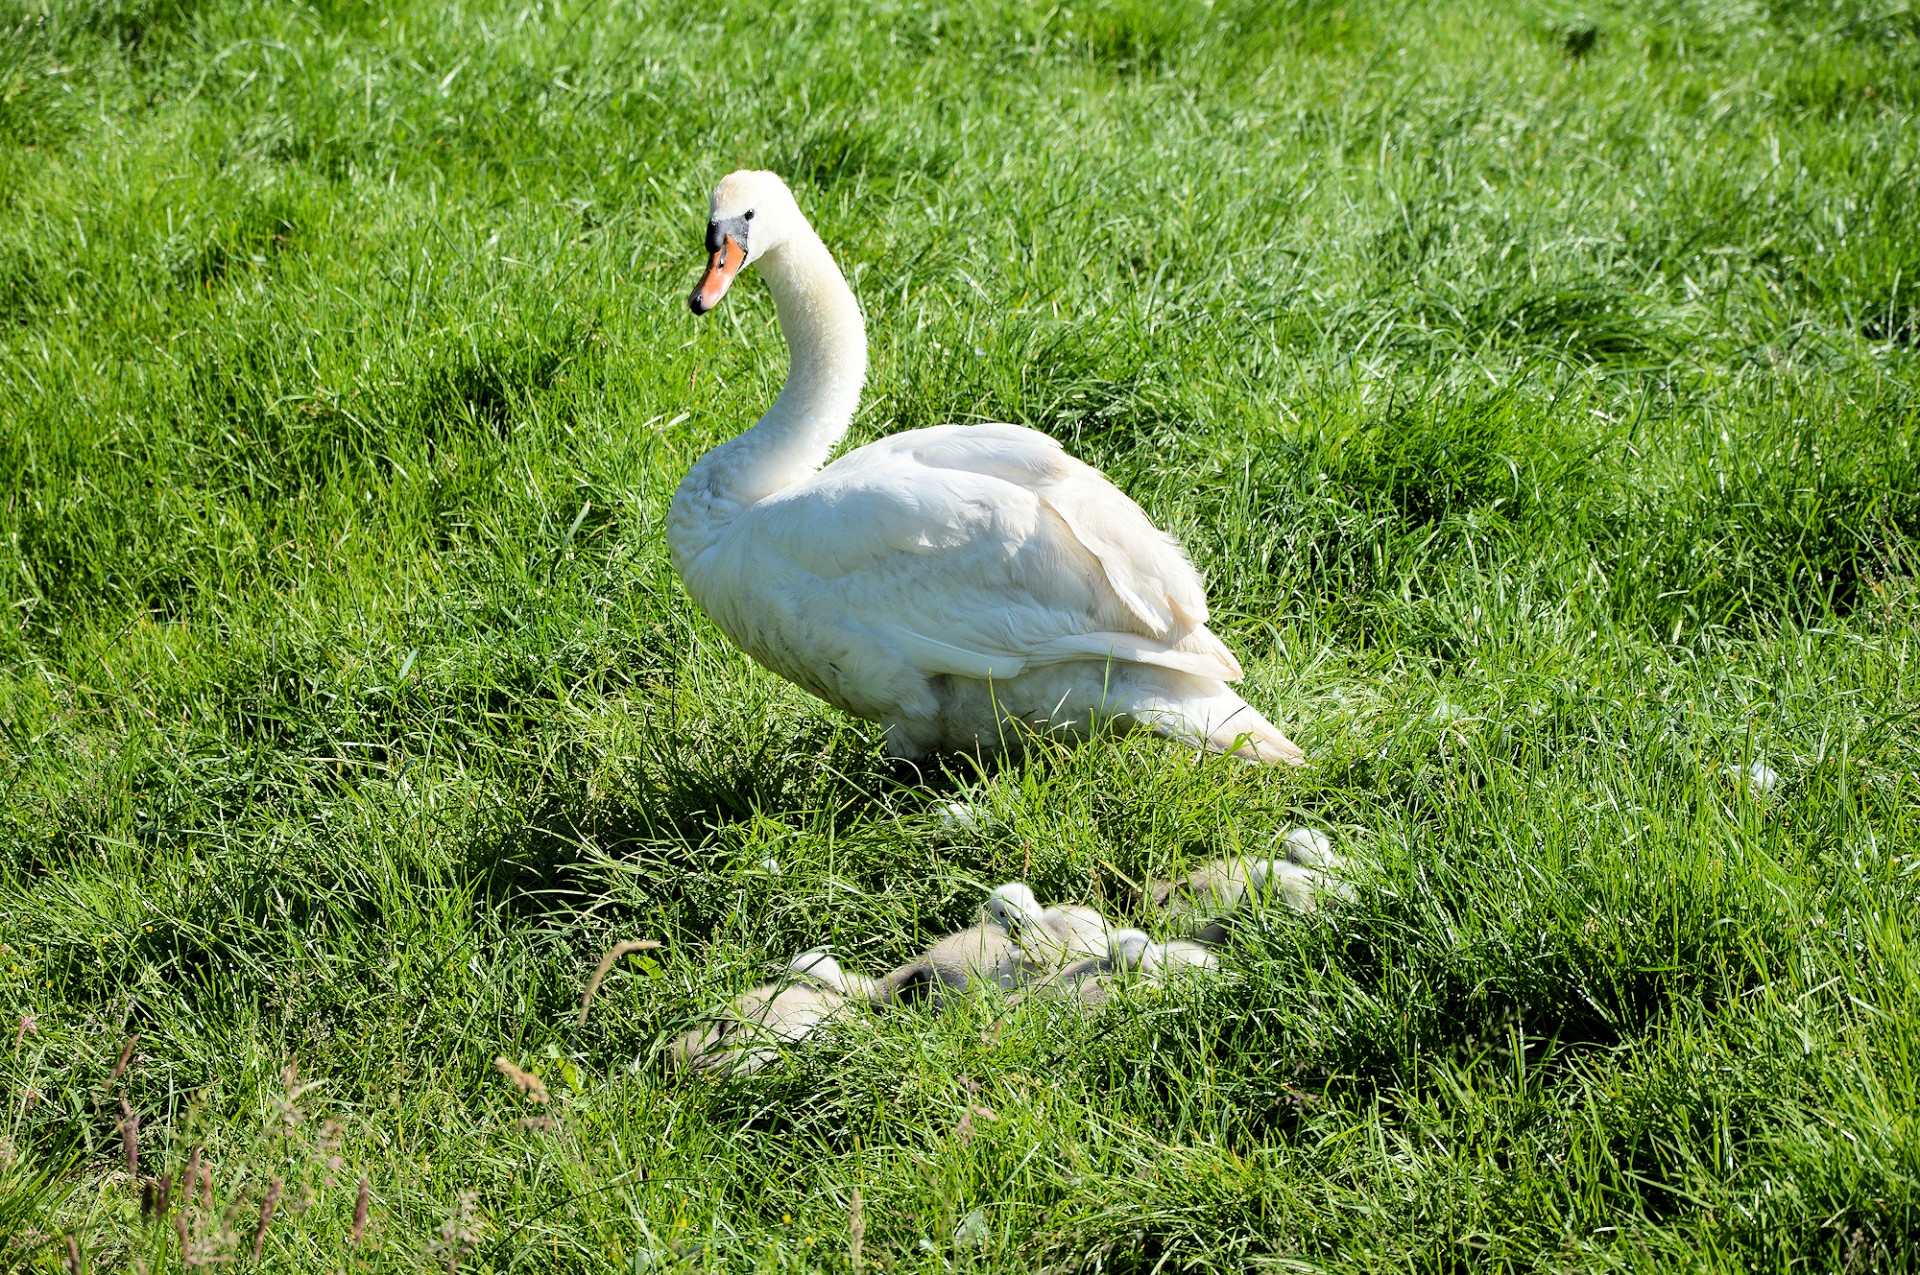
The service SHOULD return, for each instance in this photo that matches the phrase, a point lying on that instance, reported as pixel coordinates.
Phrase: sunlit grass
(1536, 387)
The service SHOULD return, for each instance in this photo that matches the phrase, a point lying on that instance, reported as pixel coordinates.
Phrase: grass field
(1537, 386)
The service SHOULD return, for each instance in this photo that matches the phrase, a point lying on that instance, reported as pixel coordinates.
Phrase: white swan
(939, 581)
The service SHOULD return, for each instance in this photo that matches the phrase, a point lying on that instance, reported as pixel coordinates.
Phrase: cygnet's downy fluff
(1304, 878)
(1015, 941)
(748, 1032)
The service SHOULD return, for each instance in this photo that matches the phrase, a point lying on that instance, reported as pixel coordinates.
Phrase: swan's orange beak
(721, 267)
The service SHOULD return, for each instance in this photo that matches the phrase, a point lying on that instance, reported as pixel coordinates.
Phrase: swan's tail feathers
(1219, 721)
(1253, 737)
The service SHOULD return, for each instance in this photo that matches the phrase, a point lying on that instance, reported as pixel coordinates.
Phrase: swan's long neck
(827, 343)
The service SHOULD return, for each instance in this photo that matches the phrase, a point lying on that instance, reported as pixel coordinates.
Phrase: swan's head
(752, 214)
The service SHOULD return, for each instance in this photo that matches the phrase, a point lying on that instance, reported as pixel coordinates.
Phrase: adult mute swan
(939, 581)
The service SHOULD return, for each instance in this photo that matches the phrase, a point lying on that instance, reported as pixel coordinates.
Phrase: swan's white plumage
(939, 580)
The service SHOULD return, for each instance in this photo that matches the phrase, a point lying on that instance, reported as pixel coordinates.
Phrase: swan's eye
(749, 215)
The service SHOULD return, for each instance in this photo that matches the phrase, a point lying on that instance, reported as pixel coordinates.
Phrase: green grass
(1537, 387)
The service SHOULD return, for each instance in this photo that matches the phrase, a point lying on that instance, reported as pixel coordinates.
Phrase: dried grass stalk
(188, 1178)
(525, 1081)
(359, 1214)
(126, 1056)
(607, 962)
(266, 1217)
(856, 1231)
(130, 1138)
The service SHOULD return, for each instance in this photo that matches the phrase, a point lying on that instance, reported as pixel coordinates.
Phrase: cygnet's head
(1012, 905)
(819, 966)
(1126, 948)
(1309, 848)
(752, 214)
(859, 986)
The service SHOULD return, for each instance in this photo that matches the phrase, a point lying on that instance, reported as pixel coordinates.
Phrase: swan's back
(1146, 569)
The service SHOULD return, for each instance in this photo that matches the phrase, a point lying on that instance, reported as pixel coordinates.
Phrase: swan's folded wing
(968, 573)
(1146, 568)
(936, 658)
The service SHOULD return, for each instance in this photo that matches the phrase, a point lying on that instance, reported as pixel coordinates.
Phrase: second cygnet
(1156, 962)
(987, 953)
(1304, 878)
(748, 1032)
(1069, 932)
(1131, 953)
